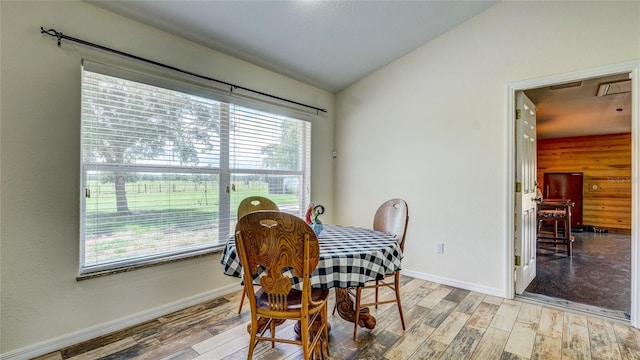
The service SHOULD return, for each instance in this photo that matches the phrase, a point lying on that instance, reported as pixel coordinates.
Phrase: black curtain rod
(60, 36)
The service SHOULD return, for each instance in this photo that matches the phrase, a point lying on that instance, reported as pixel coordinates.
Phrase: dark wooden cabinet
(563, 186)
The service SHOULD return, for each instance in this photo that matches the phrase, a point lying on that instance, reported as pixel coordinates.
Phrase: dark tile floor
(598, 274)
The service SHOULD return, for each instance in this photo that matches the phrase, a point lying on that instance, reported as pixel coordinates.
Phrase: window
(165, 167)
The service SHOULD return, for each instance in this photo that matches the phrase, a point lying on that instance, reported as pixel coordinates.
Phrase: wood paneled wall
(605, 161)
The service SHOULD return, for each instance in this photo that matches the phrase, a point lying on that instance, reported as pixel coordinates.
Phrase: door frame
(632, 67)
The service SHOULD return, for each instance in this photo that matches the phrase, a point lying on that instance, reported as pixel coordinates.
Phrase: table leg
(345, 307)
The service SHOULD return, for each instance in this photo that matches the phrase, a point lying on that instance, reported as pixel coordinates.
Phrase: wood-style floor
(442, 323)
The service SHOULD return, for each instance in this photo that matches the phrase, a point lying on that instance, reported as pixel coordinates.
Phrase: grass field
(163, 216)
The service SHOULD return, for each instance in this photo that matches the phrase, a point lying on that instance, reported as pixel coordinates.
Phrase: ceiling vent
(566, 85)
(615, 87)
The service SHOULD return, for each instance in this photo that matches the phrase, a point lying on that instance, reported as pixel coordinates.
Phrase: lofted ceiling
(329, 44)
(333, 44)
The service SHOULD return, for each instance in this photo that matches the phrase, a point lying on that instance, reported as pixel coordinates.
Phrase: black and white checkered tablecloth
(349, 257)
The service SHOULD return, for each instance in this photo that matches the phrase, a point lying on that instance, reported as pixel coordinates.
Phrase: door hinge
(517, 260)
(518, 187)
(518, 114)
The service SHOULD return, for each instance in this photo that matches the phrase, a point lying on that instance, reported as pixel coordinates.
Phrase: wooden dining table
(349, 258)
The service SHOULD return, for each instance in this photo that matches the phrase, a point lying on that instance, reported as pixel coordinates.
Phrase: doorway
(627, 68)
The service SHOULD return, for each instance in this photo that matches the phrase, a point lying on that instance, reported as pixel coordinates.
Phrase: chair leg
(252, 341)
(377, 288)
(539, 225)
(396, 286)
(304, 336)
(567, 235)
(326, 330)
(244, 293)
(356, 318)
(273, 333)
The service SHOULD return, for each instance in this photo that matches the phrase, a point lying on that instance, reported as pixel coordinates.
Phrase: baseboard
(455, 283)
(92, 332)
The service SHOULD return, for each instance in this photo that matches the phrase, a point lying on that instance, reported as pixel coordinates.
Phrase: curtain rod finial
(53, 32)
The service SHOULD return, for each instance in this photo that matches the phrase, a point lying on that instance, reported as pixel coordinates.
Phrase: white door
(525, 231)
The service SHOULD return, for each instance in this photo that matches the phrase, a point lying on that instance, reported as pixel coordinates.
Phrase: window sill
(102, 273)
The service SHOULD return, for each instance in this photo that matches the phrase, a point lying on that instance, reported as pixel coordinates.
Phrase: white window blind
(163, 171)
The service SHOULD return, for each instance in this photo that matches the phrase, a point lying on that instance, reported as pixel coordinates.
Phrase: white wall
(431, 128)
(41, 302)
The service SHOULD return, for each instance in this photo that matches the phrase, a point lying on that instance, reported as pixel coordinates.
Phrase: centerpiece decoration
(312, 217)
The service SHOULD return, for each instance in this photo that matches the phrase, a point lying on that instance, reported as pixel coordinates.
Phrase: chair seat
(552, 214)
(294, 299)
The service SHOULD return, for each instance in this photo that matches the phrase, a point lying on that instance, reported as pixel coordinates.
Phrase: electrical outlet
(439, 248)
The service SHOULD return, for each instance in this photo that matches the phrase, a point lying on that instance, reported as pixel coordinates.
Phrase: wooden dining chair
(248, 205)
(268, 242)
(255, 203)
(391, 217)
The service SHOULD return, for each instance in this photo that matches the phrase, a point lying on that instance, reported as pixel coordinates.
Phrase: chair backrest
(255, 203)
(273, 241)
(392, 217)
